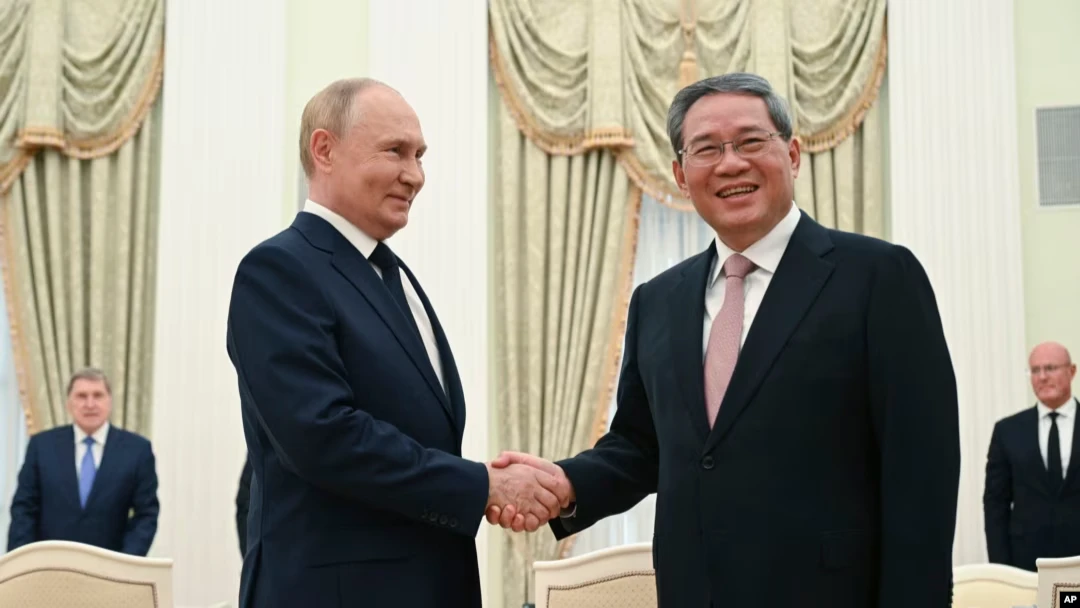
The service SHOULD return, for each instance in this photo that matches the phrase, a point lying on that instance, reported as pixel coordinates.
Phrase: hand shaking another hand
(525, 492)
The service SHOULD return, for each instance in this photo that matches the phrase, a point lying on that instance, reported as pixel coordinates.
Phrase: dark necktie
(1053, 454)
(391, 276)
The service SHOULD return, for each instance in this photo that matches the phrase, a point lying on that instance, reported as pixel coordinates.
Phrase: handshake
(525, 492)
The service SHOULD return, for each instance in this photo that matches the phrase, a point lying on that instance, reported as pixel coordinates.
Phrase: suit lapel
(798, 280)
(451, 378)
(352, 265)
(69, 474)
(1033, 453)
(687, 314)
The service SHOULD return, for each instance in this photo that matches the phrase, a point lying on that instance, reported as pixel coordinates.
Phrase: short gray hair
(89, 373)
(740, 83)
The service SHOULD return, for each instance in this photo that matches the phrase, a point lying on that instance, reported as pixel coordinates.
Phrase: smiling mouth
(729, 192)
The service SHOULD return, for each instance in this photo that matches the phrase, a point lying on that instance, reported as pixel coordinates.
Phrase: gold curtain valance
(579, 75)
(75, 75)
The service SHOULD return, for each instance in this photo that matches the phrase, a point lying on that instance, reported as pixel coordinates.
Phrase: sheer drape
(12, 428)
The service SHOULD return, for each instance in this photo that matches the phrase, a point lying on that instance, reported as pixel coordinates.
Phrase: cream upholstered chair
(55, 573)
(619, 577)
(1055, 572)
(993, 586)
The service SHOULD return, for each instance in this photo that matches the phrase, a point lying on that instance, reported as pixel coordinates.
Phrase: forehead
(1048, 355)
(87, 385)
(384, 115)
(726, 115)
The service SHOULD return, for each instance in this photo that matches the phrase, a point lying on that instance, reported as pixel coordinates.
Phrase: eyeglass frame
(723, 147)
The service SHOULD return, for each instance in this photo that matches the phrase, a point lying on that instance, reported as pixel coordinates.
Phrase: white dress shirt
(80, 448)
(1065, 422)
(765, 254)
(366, 245)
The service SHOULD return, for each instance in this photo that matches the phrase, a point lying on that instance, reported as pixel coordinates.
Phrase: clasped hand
(525, 492)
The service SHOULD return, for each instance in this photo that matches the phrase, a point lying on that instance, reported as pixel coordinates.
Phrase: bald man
(1032, 496)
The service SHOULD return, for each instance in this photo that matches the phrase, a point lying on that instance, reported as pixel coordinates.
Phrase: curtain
(564, 240)
(79, 82)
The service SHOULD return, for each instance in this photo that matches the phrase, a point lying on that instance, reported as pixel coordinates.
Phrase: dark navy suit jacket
(830, 477)
(1025, 517)
(358, 494)
(121, 512)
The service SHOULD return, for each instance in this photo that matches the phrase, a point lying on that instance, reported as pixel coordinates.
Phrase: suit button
(453, 522)
(442, 520)
(433, 517)
(707, 463)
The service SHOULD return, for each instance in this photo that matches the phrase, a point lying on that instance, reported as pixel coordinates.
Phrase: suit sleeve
(622, 468)
(997, 500)
(915, 420)
(26, 506)
(142, 525)
(243, 500)
(292, 379)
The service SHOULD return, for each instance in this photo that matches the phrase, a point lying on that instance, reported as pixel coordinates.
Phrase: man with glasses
(787, 393)
(1032, 498)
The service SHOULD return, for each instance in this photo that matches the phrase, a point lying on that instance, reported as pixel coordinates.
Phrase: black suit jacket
(830, 477)
(243, 498)
(1025, 517)
(121, 511)
(358, 494)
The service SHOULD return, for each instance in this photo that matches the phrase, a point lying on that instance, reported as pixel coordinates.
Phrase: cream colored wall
(325, 40)
(1047, 65)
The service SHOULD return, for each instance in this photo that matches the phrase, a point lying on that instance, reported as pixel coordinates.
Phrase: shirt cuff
(568, 512)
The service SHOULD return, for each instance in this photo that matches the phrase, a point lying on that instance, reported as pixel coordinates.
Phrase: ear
(795, 154)
(680, 178)
(321, 148)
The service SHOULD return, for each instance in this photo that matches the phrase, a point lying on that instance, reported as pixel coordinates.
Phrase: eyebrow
(742, 130)
(400, 141)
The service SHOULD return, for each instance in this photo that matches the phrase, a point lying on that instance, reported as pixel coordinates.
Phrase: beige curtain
(565, 253)
(78, 183)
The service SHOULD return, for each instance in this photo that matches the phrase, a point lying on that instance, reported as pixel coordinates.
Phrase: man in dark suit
(89, 482)
(787, 393)
(1032, 499)
(352, 405)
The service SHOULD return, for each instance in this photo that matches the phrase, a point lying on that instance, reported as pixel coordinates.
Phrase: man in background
(87, 482)
(352, 404)
(788, 393)
(1031, 502)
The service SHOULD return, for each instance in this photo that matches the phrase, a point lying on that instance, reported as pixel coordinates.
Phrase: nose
(413, 175)
(730, 163)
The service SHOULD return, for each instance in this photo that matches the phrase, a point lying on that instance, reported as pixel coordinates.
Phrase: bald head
(1052, 373)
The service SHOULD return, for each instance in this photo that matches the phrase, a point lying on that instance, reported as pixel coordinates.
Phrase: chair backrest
(619, 576)
(60, 573)
(1056, 574)
(993, 586)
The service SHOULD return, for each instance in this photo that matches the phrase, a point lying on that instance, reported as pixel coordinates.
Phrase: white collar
(1067, 409)
(99, 435)
(363, 243)
(766, 252)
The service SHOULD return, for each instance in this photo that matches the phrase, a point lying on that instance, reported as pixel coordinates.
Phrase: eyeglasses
(1049, 369)
(706, 153)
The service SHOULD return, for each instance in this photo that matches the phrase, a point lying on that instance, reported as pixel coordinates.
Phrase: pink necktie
(725, 335)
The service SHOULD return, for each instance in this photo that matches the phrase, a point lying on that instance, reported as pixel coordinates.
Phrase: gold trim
(557, 145)
(617, 333)
(32, 139)
(18, 345)
(601, 580)
(845, 127)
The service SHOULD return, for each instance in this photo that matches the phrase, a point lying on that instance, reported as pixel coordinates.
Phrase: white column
(955, 203)
(221, 193)
(435, 54)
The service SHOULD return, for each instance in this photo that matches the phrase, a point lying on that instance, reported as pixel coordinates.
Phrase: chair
(55, 573)
(993, 586)
(619, 577)
(1056, 572)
